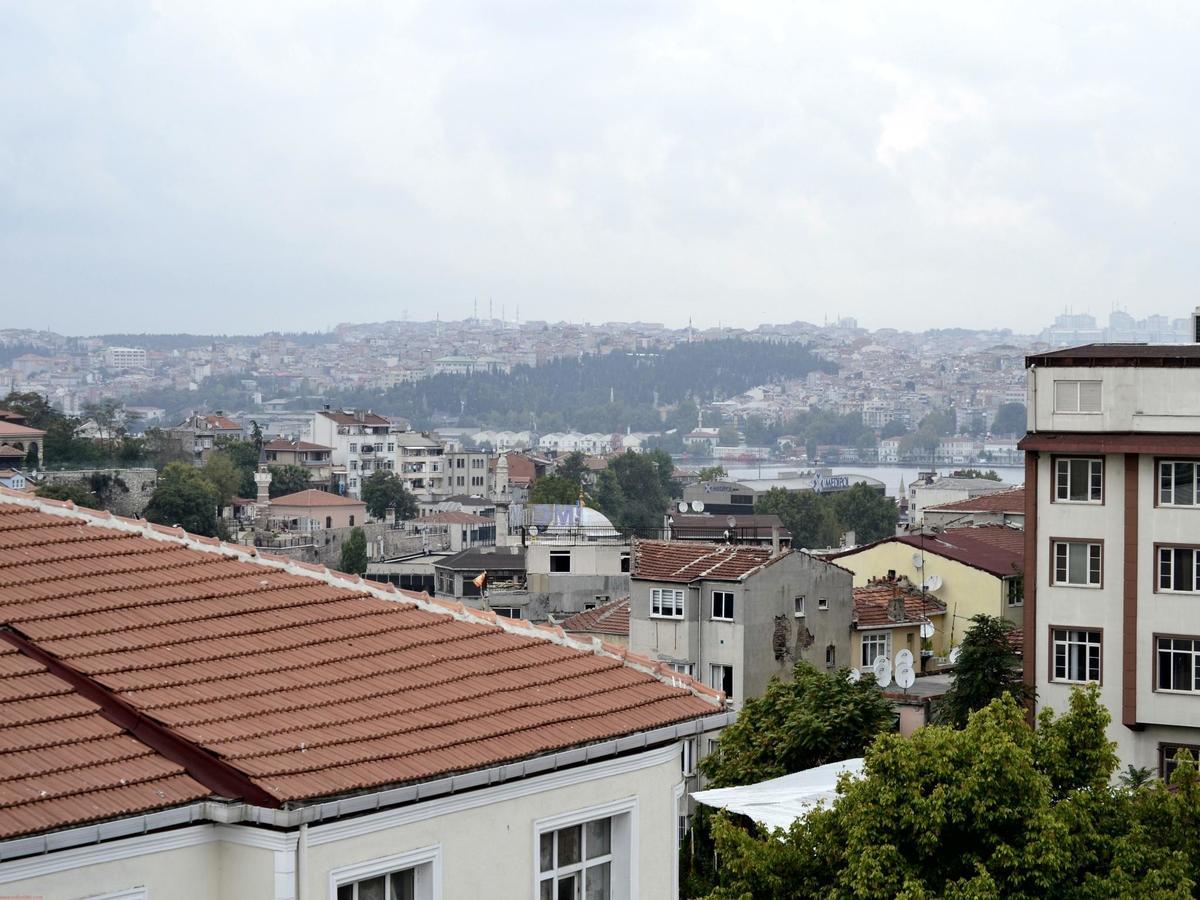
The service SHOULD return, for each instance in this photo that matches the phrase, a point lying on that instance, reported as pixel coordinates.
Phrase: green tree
(894, 428)
(1010, 419)
(75, 491)
(866, 512)
(988, 667)
(220, 471)
(809, 516)
(554, 489)
(816, 718)
(644, 480)
(712, 473)
(608, 496)
(384, 489)
(572, 468)
(288, 479)
(184, 497)
(354, 553)
(728, 436)
(989, 475)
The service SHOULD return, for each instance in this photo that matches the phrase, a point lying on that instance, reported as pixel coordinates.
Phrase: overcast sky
(234, 166)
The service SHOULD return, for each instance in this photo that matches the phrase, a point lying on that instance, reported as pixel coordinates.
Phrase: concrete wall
(595, 577)
(132, 501)
(1131, 399)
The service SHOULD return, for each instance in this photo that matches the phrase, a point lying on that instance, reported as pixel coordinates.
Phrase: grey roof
(477, 560)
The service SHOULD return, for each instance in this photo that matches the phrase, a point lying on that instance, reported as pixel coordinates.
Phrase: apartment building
(1112, 525)
(360, 445)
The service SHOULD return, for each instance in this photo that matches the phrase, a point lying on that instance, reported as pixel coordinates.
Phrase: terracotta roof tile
(998, 501)
(873, 605)
(307, 686)
(608, 618)
(313, 497)
(687, 561)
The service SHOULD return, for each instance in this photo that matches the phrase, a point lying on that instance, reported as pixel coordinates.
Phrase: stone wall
(325, 545)
(130, 500)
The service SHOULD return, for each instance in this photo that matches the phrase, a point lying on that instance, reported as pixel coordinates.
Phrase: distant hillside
(596, 393)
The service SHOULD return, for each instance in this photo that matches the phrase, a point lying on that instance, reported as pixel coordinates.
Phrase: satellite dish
(904, 659)
(927, 631)
(533, 531)
(932, 583)
(883, 671)
(854, 676)
(906, 677)
(683, 507)
(698, 506)
(918, 560)
(954, 654)
(731, 522)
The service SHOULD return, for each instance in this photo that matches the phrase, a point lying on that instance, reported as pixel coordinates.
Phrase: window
(666, 602)
(576, 862)
(329, 521)
(721, 679)
(722, 605)
(684, 668)
(799, 606)
(1014, 589)
(352, 520)
(1179, 569)
(741, 499)
(560, 560)
(476, 463)
(624, 562)
(875, 644)
(509, 612)
(1076, 655)
(1178, 665)
(393, 886)
(689, 756)
(476, 481)
(391, 448)
(1078, 480)
(822, 603)
(459, 463)
(1178, 483)
(1077, 563)
(1167, 758)
(830, 656)
(354, 448)
(1077, 396)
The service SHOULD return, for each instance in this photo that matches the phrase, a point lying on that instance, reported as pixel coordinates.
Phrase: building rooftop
(998, 549)
(286, 445)
(1000, 501)
(1137, 355)
(454, 517)
(477, 560)
(253, 677)
(607, 618)
(688, 561)
(313, 497)
(344, 417)
(874, 607)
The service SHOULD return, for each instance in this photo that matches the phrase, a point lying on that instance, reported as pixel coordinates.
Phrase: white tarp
(781, 801)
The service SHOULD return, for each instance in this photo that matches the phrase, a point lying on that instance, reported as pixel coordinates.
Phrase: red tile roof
(312, 497)
(687, 561)
(354, 418)
(998, 549)
(998, 501)
(286, 445)
(16, 432)
(608, 618)
(271, 675)
(873, 605)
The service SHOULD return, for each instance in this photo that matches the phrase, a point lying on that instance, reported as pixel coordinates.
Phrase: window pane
(403, 887)
(1097, 486)
(547, 889)
(1093, 563)
(569, 845)
(345, 892)
(1077, 563)
(1066, 396)
(1079, 479)
(598, 838)
(1164, 568)
(568, 887)
(1182, 576)
(1165, 494)
(546, 852)
(1089, 396)
(1184, 487)
(373, 888)
(597, 883)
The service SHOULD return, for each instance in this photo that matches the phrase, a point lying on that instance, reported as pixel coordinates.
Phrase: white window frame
(798, 606)
(559, 554)
(873, 639)
(623, 867)
(505, 611)
(1095, 479)
(1167, 764)
(1066, 581)
(1016, 585)
(427, 861)
(718, 684)
(822, 603)
(1195, 655)
(683, 668)
(658, 606)
(1067, 643)
(1166, 483)
(727, 599)
(1165, 570)
(688, 756)
(1074, 392)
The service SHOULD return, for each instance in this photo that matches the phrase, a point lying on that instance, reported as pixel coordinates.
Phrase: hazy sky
(236, 166)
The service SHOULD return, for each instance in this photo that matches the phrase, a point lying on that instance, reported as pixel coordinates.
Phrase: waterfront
(889, 475)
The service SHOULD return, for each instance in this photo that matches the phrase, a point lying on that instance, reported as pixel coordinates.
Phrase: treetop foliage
(818, 520)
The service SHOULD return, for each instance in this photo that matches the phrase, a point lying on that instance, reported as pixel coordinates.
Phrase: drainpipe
(302, 863)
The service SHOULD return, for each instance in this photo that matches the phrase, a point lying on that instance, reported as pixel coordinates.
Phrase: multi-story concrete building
(360, 444)
(734, 616)
(125, 358)
(1112, 525)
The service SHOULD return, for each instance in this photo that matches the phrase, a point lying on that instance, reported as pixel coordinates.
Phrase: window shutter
(1089, 396)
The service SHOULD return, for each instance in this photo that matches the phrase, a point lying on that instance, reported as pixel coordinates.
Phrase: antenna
(882, 668)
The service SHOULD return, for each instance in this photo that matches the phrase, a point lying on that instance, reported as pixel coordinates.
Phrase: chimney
(774, 540)
(891, 575)
(896, 607)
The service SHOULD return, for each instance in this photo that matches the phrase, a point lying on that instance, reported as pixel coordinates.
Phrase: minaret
(262, 480)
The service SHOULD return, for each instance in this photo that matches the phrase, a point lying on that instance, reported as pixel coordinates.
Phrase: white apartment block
(124, 358)
(1112, 580)
(362, 442)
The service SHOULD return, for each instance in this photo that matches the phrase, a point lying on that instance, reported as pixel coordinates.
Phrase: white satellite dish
(533, 531)
(954, 654)
(927, 631)
(698, 506)
(904, 658)
(854, 676)
(918, 560)
(731, 522)
(883, 671)
(682, 506)
(932, 583)
(906, 677)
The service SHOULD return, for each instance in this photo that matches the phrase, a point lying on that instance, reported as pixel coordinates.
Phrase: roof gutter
(225, 812)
